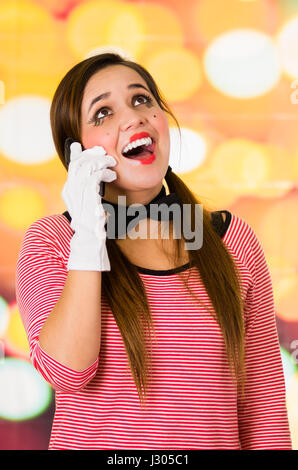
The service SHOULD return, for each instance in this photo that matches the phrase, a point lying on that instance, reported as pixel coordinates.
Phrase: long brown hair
(122, 286)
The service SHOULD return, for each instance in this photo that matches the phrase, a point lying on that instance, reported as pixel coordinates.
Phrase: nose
(132, 118)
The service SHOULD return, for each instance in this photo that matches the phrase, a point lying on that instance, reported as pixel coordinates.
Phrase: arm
(60, 311)
(262, 416)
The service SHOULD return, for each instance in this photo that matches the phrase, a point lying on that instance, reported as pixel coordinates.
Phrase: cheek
(94, 136)
(162, 127)
(161, 123)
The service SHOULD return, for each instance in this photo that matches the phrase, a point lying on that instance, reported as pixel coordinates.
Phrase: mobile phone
(67, 145)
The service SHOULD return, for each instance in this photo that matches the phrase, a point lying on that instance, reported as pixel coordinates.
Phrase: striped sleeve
(40, 278)
(262, 415)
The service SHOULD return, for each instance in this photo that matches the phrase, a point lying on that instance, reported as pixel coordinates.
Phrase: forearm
(71, 333)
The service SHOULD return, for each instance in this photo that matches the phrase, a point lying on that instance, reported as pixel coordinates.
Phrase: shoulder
(231, 227)
(49, 226)
(242, 241)
(50, 232)
(238, 231)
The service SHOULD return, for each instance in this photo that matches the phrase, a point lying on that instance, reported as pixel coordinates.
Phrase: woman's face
(112, 121)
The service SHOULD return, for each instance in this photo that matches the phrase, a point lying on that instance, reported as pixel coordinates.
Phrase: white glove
(87, 169)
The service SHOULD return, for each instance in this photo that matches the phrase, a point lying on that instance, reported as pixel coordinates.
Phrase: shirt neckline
(184, 267)
(163, 272)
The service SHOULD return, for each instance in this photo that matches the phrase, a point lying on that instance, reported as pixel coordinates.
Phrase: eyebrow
(108, 93)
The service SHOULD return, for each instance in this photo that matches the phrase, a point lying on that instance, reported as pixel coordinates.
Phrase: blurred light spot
(112, 23)
(2, 92)
(177, 72)
(283, 275)
(127, 18)
(282, 211)
(15, 334)
(23, 392)
(295, 166)
(242, 63)
(287, 41)
(27, 37)
(2, 352)
(239, 164)
(25, 132)
(20, 206)
(4, 316)
(285, 286)
(289, 366)
(279, 179)
(188, 153)
(163, 29)
(215, 17)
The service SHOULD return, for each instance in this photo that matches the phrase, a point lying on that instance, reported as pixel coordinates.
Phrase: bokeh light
(15, 335)
(239, 164)
(282, 211)
(94, 24)
(188, 152)
(16, 197)
(162, 30)
(23, 393)
(276, 225)
(25, 132)
(289, 365)
(43, 79)
(287, 43)
(2, 92)
(178, 63)
(214, 17)
(284, 277)
(4, 316)
(242, 63)
(35, 40)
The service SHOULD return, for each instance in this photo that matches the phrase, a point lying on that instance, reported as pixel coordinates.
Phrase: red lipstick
(140, 135)
(148, 160)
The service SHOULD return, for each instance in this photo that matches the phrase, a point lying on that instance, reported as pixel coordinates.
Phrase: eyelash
(97, 121)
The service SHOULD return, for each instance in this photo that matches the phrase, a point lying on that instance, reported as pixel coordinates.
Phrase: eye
(147, 98)
(97, 119)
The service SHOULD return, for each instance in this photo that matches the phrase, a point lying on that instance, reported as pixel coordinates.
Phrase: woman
(148, 345)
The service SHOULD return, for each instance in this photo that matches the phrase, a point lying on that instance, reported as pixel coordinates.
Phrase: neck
(133, 197)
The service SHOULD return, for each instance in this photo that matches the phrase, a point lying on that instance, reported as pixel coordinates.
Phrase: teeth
(145, 141)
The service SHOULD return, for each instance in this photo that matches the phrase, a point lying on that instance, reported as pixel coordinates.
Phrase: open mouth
(143, 149)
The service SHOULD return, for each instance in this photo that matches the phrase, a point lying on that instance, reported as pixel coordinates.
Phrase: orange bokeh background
(250, 166)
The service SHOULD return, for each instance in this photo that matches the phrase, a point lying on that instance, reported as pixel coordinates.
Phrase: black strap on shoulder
(66, 214)
(220, 225)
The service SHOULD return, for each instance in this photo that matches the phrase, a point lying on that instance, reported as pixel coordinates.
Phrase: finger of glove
(88, 184)
(75, 151)
(91, 201)
(87, 170)
(97, 177)
(96, 150)
(95, 160)
(108, 175)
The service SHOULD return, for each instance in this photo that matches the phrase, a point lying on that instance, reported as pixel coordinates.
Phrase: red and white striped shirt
(193, 401)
